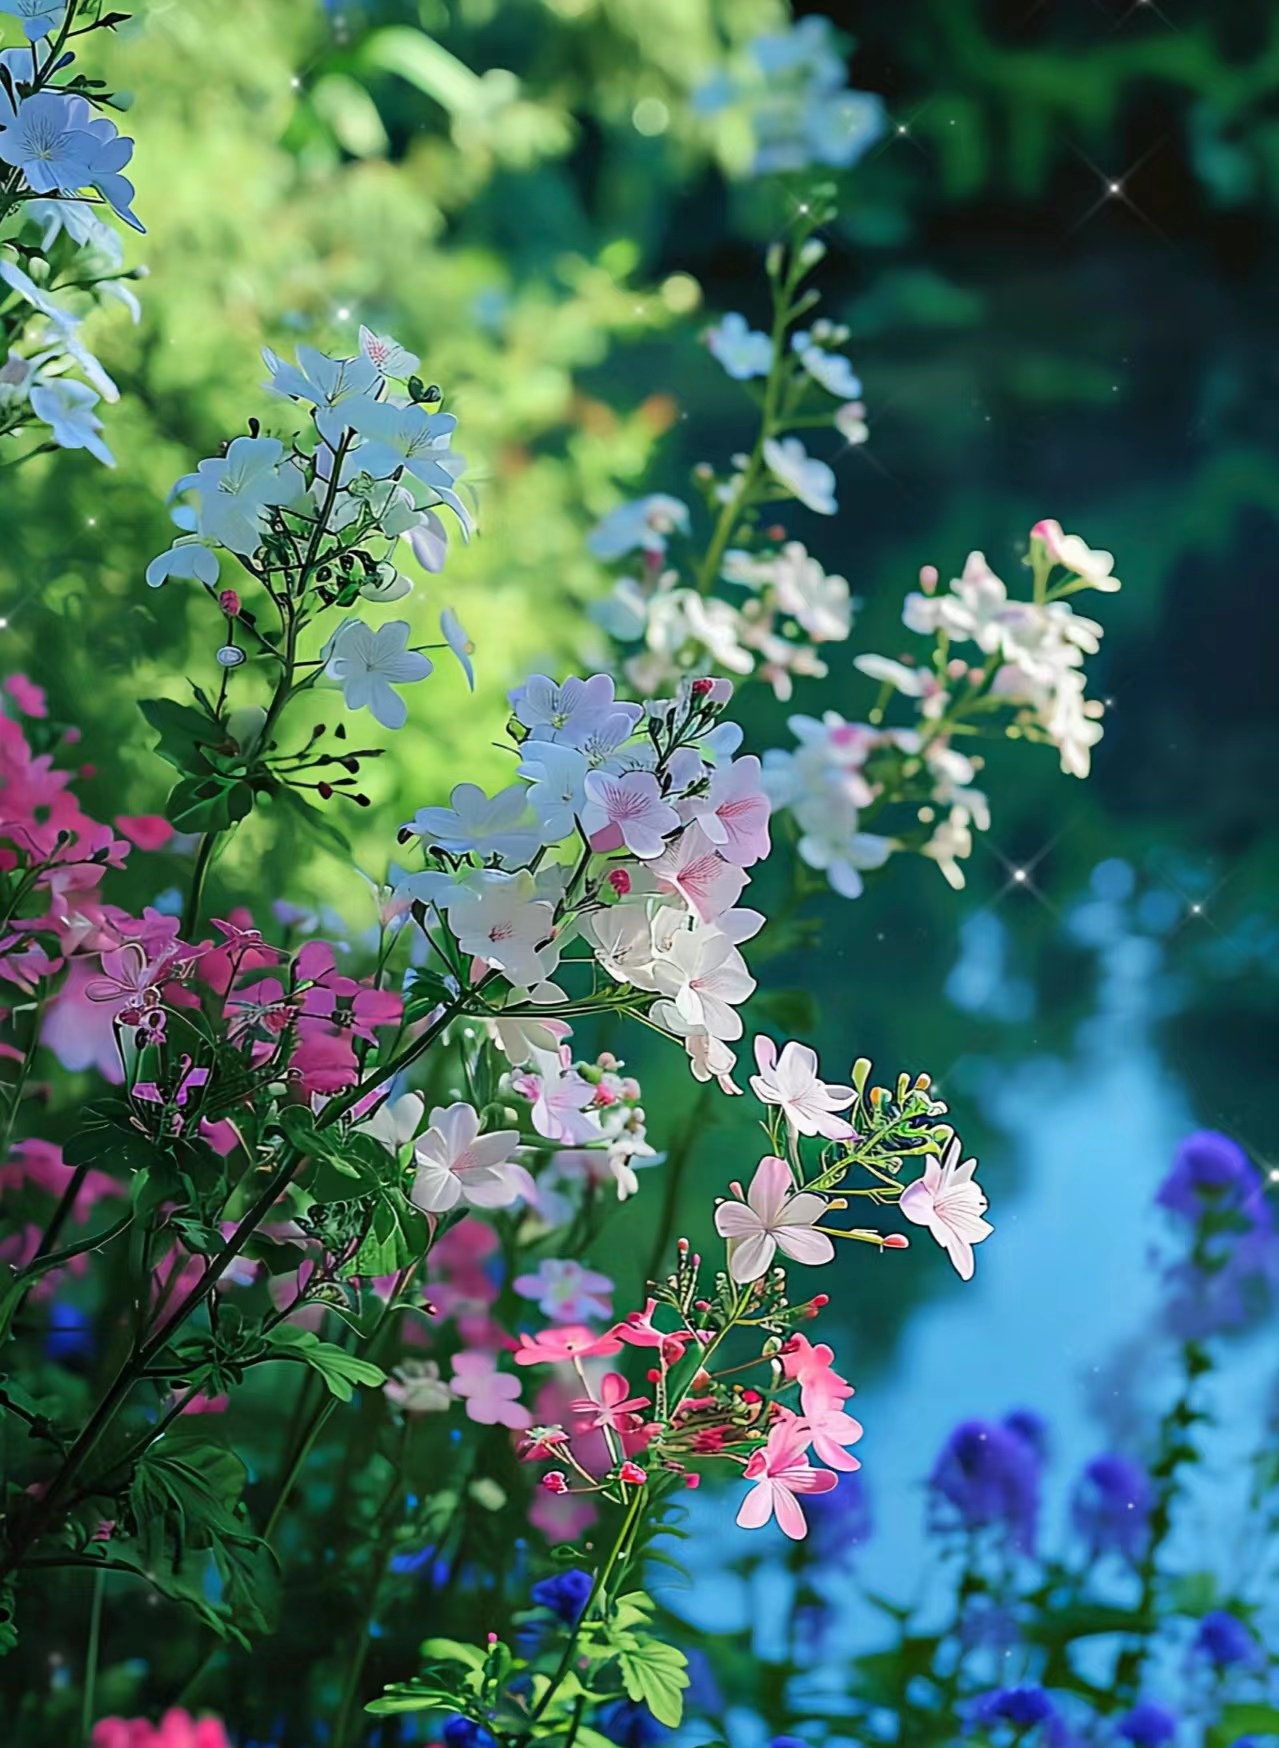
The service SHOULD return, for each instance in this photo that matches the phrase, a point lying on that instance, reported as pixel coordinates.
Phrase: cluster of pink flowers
(176, 1729)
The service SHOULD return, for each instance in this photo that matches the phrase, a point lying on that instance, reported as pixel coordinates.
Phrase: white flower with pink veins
(456, 1163)
(951, 1205)
(769, 1217)
(791, 1081)
(708, 978)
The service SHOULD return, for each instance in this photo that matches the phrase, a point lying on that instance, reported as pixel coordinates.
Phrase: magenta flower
(772, 1217)
(565, 1291)
(627, 810)
(950, 1204)
(781, 1471)
(176, 1729)
(491, 1397)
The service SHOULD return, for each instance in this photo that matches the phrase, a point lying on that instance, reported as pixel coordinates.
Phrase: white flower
(791, 1082)
(429, 540)
(693, 868)
(41, 139)
(807, 478)
(950, 844)
(830, 369)
(947, 1201)
(67, 408)
(622, 937)
(742, 350)
(187, 557)
(236, 488)
(645, 523)
(716, 625)
(709, 1057)
(367, 664)
(557, 786)
(850, 422)
(395, 1122)
(572, 712)
(1075, 554)
(500, 825)
(822, 604)
(407, 438)
(454, 634)
(627, 810)
(707, 977)
(456, 1163)
(771, 1217)
(416, 1387)
(323, 381)
(497, 919)
(386, 355)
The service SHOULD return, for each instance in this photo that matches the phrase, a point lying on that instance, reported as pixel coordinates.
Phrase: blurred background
(1058, 261)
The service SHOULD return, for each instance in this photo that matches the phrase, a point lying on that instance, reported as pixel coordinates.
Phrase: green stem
(91, 1654)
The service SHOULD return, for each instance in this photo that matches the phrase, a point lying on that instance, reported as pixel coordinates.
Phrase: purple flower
(460, 1732)
(1022, 1707)
(1212, 1173)
(1111, 1507)
(565, 1594)
(1030, 1428)
(1224, 1639)
(988, 1476)
(839, 1520)
(1147, 1725)
(630, 1724)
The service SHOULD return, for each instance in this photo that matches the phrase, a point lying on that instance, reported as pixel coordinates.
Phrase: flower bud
(555, 1481)
(928, 578)
(229, 601)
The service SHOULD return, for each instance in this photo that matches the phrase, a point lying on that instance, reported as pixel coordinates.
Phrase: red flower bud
(897, 1241)
(229, 602)
(620, 881)
(633, 1473)
(555, 1481)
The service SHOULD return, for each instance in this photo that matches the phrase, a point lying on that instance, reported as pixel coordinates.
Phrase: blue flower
(988, 1476)
(1147, 1725)
(1111, 1507)
(628, 1722)
(460, 1732)
(1025, 1708)
(70, 1335)
(565, 1594)
(742, 350)
(1212, 1172)
(1224, 1639)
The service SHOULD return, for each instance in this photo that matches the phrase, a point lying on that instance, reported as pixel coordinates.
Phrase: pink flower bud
(928, 577)
(229, 602)
(692, 1480)
(555, 1481)
(896, 1241)
(702, 687)
(632, 1473)
(620, 881)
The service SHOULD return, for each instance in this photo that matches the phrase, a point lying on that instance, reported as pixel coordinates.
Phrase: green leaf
(453, 1651)
(208, 804)
(340, 1370)
(657, 1674)
(1243, 1720)
(397, 1238)
(184, 733)
(319, 824)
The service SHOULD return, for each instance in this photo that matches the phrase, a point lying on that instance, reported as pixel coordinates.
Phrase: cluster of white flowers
(64, 164)
(1030, 684)
(591, 1117)
(630, 830)
(791, 90)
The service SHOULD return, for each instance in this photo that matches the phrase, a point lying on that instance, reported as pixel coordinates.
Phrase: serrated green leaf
(657, 1674)
(340, 1370)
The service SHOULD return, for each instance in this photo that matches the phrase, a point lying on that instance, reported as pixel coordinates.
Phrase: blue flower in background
(988, 1476)
(628, 1722)
(1224, 1639)
(1232, 1278)
(459, 1732)
(1212, 1172)
(1022, 1709)
(565, 1594)
(70, 1334)
(1147, 1725)
(1111, 1507)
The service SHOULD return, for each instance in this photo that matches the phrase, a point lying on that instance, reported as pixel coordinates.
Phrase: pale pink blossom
(1093, 566)
(491, 1397)
(456, 1163)
(769, 1218)
(830, 1429)
(553, 1346)
(810, 1365)
(781, 1471)
(791, 1082)
(627, 810)
(565, 1291)
(734, 813)
(693, 867)
(951, 1205)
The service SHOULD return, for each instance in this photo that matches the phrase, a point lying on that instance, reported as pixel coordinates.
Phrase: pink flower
(694, 868)
(632, 1474)
(324, 1063)
(147, 830)
(830, 1429)
(202, 1404)
(638, 1330)
(553, 1346)
(771, 1217)
(40, 1163)
(627, 810)
(29, 698)
(734, 815)
(614, 1409)
(564, 1517)
(792, 1082)
(492, 1397)
(555, 1481)
(176, 1729)
(810, 1367)
(781, 1471)
(951, 1205)
(565, 1291)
